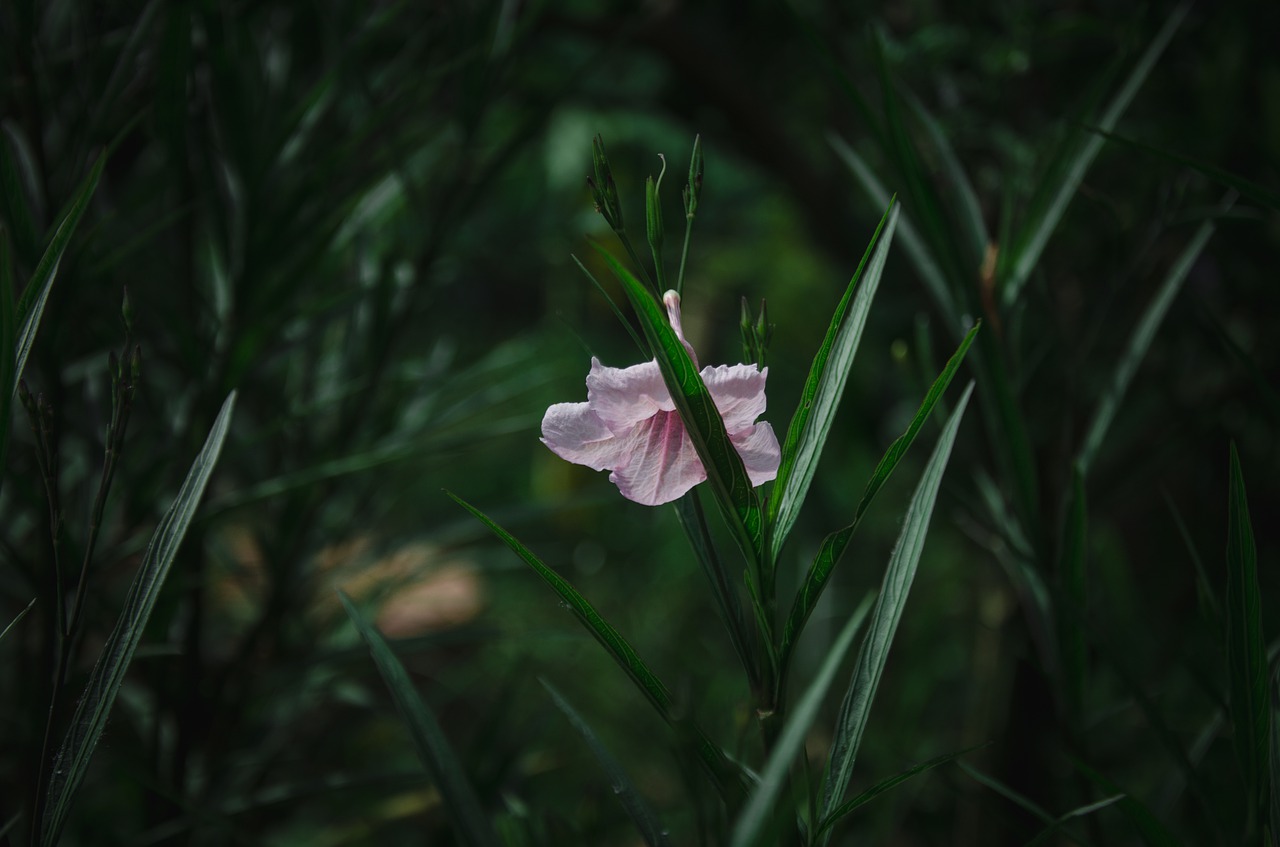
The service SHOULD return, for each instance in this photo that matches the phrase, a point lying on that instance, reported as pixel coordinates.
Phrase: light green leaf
(833, 546)
(728, 477)
(428, 738)
(899, 574)
(651, 830)
(820, 398)
(36, 294)
(1058, 194)
(753, 821)
(92, 711)
(1139, 343)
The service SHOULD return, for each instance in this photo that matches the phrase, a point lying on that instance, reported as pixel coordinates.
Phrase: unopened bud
(126, 311)
(694, 187)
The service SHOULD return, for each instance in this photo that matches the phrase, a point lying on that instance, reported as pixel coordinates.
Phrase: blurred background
(362, 217)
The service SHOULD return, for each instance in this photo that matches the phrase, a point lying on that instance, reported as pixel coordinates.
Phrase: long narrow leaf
(889, 784)
(725, 471)
(618, 647)
(8, 346)
(17, 618)
(820, 398)
(918, 252)
(651, 830)
(36, 294)
(898, 577)
(1080, 812)
(1032, 240)
(428, 737)
(833, 546)
(1250, 699)
(1152, 832)
(1139, 342)
(91, 713)
(753, 820)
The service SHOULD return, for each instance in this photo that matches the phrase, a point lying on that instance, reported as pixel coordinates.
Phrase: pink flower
(630, 427)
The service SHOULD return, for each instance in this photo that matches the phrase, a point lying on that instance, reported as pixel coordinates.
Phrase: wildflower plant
(661, 428)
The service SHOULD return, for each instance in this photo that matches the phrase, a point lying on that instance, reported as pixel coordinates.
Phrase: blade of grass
(17, 618)
(31, 305)
(725, 471)
(1072, 619)
(898, 577)
(617, 647)
(914, 245)
(971, 218)
(889, 784)
(833, 546)
(623, 319)
(1080, 812)
(753, 821)
(1143, 334)
(1246, 649)
(1207, 597)
(820, 398)
(1022, 802)
(92, 711)
(637, 808)
(1034, 236)
(693, 520)
(428, 738)
(8, 344)
(1150, 830)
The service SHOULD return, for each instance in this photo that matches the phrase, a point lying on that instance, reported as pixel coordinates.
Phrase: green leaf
(1072, 617)
(92, 711)
(17, 618)
(15, 156)
(622, 319)
(428, 738)
(689, 511)
(1250, 700)
(898, 576)
(917, 250)
(1143, 334)
(889, 784)
(820, 398)
(1082, 811)
(833, 546)
(1058, 193)
(622, 652)
(8, 345)
(1150, 830)
(36, 294)
(651, 830)
(729, 481)
(752, 822)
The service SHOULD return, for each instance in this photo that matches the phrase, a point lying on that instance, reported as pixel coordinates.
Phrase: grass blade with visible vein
(1033, 238)
(888, 784)
(755, 815)
(1250, 699)
(898, 576)
(651, 830)
(725, 471)
(820, 397)
(833, 546)
(917, 251)
(1139, 342)
(91, 713)
(623, 653)
(36, 294)
(428, 738)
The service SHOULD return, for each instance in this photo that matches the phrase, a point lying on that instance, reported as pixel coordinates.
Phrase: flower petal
(575, 433)
(672, 301)
(622, 397)
(662, 463)
(760, 452)
(738, 392)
